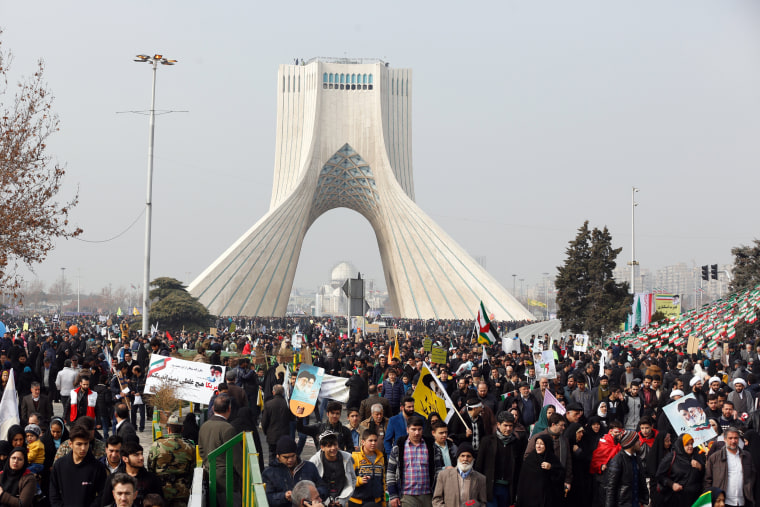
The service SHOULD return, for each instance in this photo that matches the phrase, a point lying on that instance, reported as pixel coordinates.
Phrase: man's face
(333, 417)
(697, 386)
(571, 382)
(739, 387)
(392, 378)
(581, 386)
(415, 434)
(465, 458)
(482, 390)
(616, 432)
(353, 419)
(647, 383)
(712, 404)
(289, 460)
(634, 390)
(124, 495)
(440, 435)
(543, 383)
(79, 447)
(475, 411)
(113, 454)
(604, 383)
(462, 385)
(331, 450)
(574, 415)
(655, 384)
(84, 384)
(645, 430)
(35, 391)
(732, 441)
(135, 460)
(377, 417)
(728, 411)
(409, 408)
(524, 391)
(506, 428)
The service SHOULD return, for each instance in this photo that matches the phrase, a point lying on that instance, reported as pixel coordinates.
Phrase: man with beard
(470, 428)
(411, 468)
(397, 424)
(462, 482)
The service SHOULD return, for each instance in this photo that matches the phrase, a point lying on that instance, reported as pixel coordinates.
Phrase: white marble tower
(344, 139)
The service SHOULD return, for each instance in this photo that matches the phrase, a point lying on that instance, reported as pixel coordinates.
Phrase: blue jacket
(279, 480)
(394, 393)
(395, 430)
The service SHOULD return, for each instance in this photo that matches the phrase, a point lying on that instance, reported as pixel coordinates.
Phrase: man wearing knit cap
(626, 481)
(456, 486)
(283, 475)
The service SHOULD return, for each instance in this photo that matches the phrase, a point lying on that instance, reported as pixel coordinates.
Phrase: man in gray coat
(213, 433)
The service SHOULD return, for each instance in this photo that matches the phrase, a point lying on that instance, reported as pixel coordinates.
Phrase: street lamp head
(155, 59)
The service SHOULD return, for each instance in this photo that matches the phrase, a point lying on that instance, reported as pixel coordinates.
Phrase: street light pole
(63, 287)
(154, 61)
(633, 239)
(514, 285)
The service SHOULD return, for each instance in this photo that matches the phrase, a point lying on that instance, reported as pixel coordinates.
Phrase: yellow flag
(533, 302)
(134, 311)
(396, 351)
(260, 401)
(118, 312)
(26, 326)
(430, 397)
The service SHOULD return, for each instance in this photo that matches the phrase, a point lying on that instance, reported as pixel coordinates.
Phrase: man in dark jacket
(286, 472)
(334, 408)
(365, 408)
(718, 472)
(501, 447)
(626, 477)
(213, 433)
(77, 478)
(275, 420)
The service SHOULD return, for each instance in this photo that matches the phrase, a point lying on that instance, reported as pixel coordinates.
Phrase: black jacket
(275, 420)
(619, 490)
(486, 461)
(81, 484)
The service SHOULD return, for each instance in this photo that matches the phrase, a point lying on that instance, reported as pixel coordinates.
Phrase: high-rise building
(344, 139)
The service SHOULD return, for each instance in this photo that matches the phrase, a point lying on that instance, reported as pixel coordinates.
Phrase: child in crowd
(35, 449)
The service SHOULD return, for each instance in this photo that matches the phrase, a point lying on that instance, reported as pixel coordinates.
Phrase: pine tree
(176, 308)
(588, 298)
(746, 266)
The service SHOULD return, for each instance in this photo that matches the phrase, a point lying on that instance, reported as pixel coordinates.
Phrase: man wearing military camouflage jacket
(172, 459)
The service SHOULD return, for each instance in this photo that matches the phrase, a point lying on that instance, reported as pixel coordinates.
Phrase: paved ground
(550, 326)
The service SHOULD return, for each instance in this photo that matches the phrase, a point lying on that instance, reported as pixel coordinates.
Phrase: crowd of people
(602, 440)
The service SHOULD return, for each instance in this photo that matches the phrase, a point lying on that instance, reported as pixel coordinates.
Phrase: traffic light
(714, 271)
(705, 273)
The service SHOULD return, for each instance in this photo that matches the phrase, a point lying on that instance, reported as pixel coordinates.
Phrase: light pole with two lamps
(154, 61)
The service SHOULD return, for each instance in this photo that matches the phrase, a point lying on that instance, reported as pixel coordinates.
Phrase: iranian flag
(704, 500)
(487, 334)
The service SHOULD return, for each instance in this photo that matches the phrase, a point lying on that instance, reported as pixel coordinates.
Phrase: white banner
(510, 344)
(581, 343)
(194, 381)
(334, 388)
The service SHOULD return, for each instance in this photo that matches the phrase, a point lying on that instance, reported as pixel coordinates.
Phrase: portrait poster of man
(581, 343)
(687, 416)
(305, 393)
(430, 396)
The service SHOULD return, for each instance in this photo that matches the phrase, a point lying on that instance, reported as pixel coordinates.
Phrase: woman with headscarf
(679, 475)
(52, 439)
(519, 431)
(17, 484)
(541, 476)
(580, 490)
(601, 411)
(5, 450)
(543, 420)
(16, 436)
(594, 431)
(428, 429)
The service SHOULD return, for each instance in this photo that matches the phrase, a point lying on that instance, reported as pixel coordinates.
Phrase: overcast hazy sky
(528, 118)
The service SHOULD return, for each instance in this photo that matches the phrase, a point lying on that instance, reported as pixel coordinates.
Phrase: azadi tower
(344, 139)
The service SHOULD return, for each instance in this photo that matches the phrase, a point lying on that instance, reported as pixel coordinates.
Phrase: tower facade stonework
(344, 140)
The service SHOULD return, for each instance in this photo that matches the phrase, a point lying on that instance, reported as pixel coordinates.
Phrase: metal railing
(254, 493)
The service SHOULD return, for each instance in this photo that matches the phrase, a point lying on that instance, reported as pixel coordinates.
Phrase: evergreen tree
(588, 298)
(746, 266)
(176, 308)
